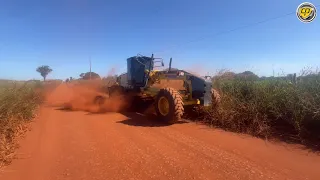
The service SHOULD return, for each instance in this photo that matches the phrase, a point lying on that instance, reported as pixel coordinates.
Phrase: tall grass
(18, 103)
(269, 107)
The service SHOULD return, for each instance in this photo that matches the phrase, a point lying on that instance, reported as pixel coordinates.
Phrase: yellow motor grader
(170, 89)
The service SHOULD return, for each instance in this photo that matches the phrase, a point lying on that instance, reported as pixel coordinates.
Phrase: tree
(228, 75)
(248, 75)
(44, 71)
(86, 76)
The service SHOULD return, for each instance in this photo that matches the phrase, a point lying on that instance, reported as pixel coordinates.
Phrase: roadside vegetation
(286, 107)
(19, 101)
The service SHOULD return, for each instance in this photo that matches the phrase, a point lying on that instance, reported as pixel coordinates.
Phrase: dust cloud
(81, 97)
(198, 70)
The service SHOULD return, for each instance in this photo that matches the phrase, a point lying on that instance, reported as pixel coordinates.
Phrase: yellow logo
(306, 12)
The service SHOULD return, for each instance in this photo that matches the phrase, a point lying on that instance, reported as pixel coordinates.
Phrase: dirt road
(75, 145)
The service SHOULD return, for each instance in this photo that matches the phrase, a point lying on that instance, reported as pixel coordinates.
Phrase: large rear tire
(169, 105)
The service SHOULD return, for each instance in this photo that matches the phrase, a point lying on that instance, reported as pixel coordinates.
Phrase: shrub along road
(81, 145)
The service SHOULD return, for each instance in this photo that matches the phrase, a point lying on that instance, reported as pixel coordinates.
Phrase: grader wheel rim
(163, 105)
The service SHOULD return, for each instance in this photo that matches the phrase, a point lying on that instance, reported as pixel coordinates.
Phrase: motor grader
(171, 89)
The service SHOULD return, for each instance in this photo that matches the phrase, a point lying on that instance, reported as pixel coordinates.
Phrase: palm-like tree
(44, 71)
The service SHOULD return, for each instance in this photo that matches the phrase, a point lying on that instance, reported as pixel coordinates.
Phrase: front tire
(169, 105)
(99, 100)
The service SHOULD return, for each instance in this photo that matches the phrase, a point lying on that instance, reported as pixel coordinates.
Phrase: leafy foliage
(86, 76)
(44, 71)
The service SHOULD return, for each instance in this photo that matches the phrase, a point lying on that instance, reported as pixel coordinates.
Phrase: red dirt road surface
(79, 145)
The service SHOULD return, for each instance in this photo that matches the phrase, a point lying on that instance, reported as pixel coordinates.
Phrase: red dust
(81, 96)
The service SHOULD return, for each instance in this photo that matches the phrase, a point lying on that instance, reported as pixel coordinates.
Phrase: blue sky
(64, 34)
